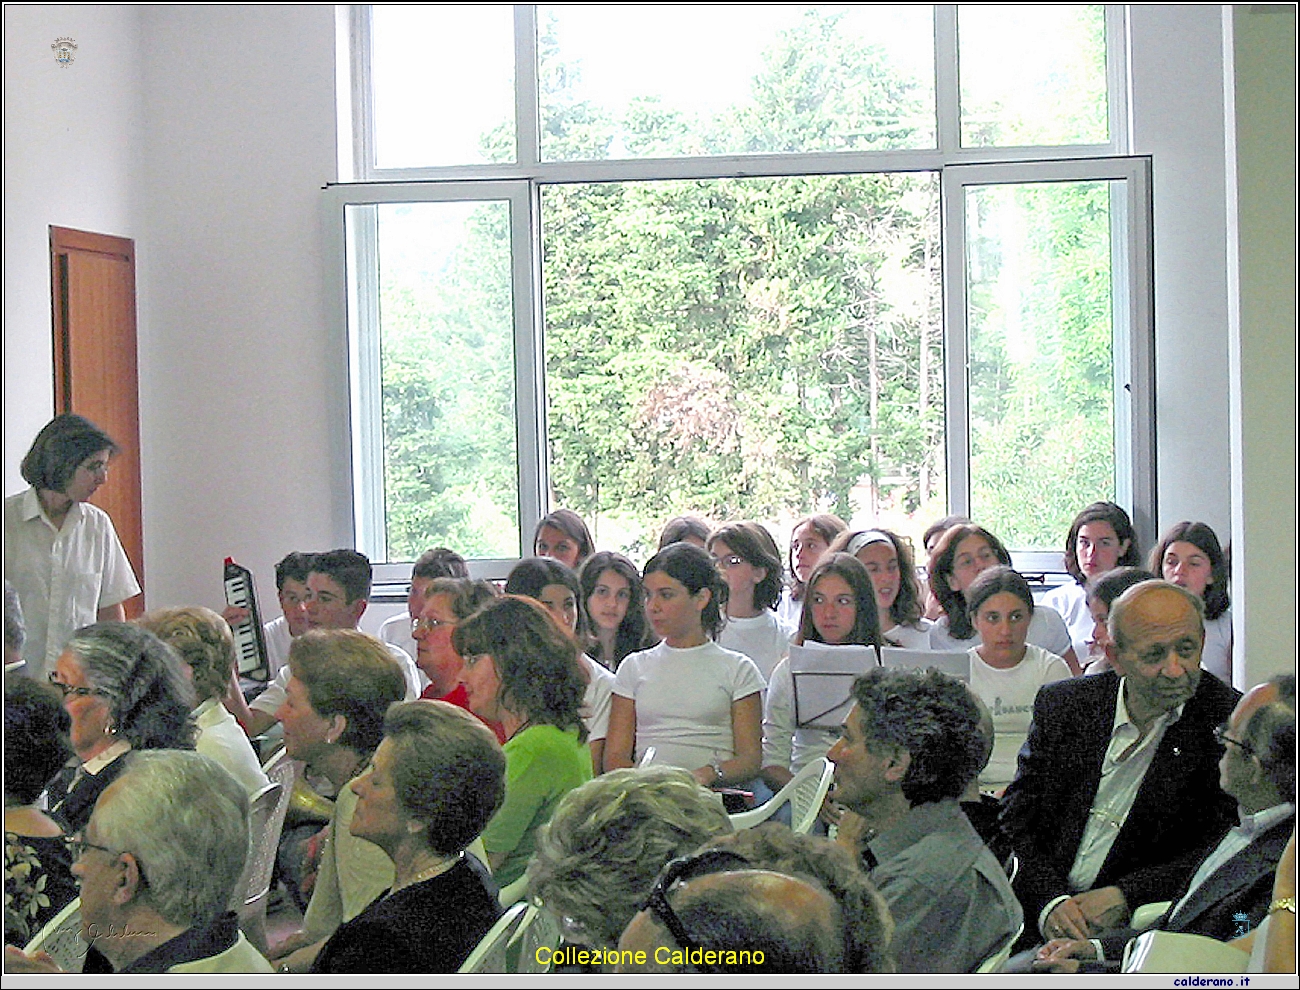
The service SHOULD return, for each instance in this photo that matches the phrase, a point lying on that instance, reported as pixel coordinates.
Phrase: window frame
(521, 182)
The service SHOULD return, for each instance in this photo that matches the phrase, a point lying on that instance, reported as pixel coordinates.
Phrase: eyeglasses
(78, 845)
(427, 625)
(688, 868)
(729, 561)
(76, 692)
(1223, 739)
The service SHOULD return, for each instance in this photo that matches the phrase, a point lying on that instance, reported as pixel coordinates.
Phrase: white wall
(244, 409)
(72, 142)
(1261, 113)
(1177, 119)
(243, 404)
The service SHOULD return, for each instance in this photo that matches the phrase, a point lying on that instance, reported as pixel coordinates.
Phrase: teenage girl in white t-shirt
(889, 563)
(1190, 556)
(750, 563)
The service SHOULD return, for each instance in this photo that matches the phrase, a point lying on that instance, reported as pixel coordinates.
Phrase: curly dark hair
(532, 574)
(535, 659)
(36, 737)
(141, 679)
(930, 715)
(907, 607)
(942, 563)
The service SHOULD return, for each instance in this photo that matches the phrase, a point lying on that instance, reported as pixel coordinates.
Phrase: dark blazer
(1241, 886)
(72, 806)
(1178, 814)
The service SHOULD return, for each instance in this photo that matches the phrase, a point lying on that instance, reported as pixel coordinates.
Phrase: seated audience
(341, 684)
(1190, 556)
(337, 596)
(521, 669)
(839, 610)
(910, 746)
(38, 874)
(685, 529)
(563, 535)
(1101, 538)
(929, 541)
(124, 690)
(888, 560)
(732, 919)
(158, 862)
(809, 539)
(697, 704)
(1117, 794)
(556, 588)
(959, 557)
(598, 856)
(751, 566)
(436, 779)
(206, 647)
(868, 928)
(1102, 592)
(613, 601)
(440, 562)
(1005, 671)
(1231, 892)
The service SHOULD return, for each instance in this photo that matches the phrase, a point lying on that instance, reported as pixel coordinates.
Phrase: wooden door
(93, 280)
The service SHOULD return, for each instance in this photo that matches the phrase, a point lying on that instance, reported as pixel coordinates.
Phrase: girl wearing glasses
(750, 563)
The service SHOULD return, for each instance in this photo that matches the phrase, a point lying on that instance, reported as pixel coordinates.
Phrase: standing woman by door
(62, 554)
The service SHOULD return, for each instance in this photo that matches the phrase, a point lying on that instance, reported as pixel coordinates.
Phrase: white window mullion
(527, 141)
(947, 78)
(956, 402)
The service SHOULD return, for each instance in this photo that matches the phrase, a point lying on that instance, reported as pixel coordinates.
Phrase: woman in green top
(521, 670)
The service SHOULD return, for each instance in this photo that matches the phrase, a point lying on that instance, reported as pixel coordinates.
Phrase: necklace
(428, 873)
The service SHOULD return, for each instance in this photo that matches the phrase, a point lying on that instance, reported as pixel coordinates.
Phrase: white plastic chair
(804, 794)
(62, 938)
(538, 929)
(1178, 952)
(266, 813)
(1148, 914)
(489, 956)
(647, 757)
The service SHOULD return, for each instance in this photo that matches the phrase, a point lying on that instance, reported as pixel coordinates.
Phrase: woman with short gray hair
(124, 690)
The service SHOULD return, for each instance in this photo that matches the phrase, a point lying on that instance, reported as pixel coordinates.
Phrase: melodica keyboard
(250, 643)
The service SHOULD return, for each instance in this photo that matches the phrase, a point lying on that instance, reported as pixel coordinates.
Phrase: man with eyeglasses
(156, 865)
(1231, 892)
(1117, 793)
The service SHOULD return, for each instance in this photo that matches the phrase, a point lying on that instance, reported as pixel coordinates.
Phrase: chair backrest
(62, 938)
(266, 810)
(489, 956)
(281, 769)
(804, 793)
(537, 929)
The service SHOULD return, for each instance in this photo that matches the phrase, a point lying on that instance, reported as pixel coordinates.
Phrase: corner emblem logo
(63, 49)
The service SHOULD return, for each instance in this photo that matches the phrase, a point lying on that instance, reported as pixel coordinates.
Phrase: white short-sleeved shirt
(278, 641)
(1071, 600)
(762, 638)
(915, 637)
(1216, 657)
(270, 700)
(596, 700)
(1046, 629)
(683, 700)
(63, 576)
(784, 744)
(221, 738)
(1009, 696)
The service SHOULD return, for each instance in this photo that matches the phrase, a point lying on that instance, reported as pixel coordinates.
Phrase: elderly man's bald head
(756, 921)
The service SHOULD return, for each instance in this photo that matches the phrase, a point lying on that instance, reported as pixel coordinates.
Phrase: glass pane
(444, 78)
(1032, 75)
(744, 348)
(1039, 319)
(447, 372)
(649, 81)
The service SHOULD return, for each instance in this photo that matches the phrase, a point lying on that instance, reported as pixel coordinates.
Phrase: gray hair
(185, 819)
(1120, 608)
(1271, 733)
(140, 677)
(15, 629)
(598, 857)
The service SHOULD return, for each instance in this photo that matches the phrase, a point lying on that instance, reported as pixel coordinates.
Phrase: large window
(748, 262)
